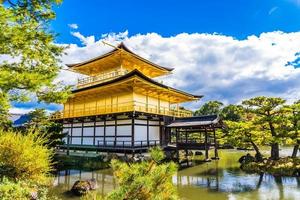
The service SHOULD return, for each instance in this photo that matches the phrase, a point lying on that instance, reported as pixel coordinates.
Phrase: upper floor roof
(119, 57)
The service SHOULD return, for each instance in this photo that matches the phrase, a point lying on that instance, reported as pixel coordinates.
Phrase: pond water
(216, 180)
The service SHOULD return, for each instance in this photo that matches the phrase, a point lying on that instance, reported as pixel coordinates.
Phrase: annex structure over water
(119, 106)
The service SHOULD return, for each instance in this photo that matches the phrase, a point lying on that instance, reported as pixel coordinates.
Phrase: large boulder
(247, 159)
(82, 187)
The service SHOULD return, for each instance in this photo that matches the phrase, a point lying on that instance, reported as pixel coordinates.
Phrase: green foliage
(232, 113)
(13, 190)
(23, 190)
(282, 167)
(209, 108)
(23, 157)
(150, 179)
(271, 118)
(32, 56)
(52, 131)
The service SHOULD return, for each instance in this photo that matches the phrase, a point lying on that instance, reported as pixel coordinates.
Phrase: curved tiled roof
(123, 47)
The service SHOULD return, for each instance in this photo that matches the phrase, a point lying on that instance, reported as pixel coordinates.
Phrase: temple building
(118, 105)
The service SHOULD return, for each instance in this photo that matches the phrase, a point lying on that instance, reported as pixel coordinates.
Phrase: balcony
(93, 80)
(122, 107)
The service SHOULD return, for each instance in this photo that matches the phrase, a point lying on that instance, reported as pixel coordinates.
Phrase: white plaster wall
(87, 141)
(124, 130)
(110, 122)
(154, 122)
(110, 130)
(154, 133)
(138, 121)
(124, 121)
(88, 131)
(99, 123)
(140, 133)
(77, 124)
(88, 124)
(100, 139)
(76, 132)
(76, 140)
(127, 141)
(99, 131)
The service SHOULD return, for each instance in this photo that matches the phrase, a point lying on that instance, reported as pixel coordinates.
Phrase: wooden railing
(127, 144)
(122, 107)
(92, 80)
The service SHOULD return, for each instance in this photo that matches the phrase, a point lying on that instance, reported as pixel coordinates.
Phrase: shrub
(13, 190)
(23, 157)
(145, 180)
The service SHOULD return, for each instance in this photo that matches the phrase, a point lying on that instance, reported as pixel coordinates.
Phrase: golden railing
(122, 107)
(103, 77)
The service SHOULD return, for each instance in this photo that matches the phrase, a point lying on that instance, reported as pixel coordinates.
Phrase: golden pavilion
(119, 104)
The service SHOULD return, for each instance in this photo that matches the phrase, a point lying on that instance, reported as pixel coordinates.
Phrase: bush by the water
(148, 180)
(25, 165)
(283, 167)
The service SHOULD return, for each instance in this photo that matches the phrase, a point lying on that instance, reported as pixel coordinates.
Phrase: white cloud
(272, 10)
(84, 40)
(216, 66)
(20, 110)
(73, 26)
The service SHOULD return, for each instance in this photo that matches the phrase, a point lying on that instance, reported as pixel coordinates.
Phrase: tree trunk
(258, 155)
(274, 146)
(296, 149)
(275, 151)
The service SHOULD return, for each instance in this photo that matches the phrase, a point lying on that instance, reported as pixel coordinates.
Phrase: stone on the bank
(82, 187)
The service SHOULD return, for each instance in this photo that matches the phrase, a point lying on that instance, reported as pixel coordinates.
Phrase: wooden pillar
(148, 131)
(206, 145)
(82, 126)
(132, 134)
(94, 139)
(116, 130)
(177, 150)
(104, 131)
(216, 145)
(186, 150)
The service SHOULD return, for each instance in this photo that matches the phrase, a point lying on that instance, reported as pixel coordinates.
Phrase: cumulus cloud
(73, 26)
(217, 66)
(84, 40)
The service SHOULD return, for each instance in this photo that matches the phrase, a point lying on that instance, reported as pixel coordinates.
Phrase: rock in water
(82, 187)
(93, 184)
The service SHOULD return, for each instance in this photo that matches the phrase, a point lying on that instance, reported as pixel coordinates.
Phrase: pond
(216, 180)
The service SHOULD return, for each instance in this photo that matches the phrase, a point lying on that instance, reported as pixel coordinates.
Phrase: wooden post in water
(216, 146)
(177, 151)
(68, 144)
(206, 145)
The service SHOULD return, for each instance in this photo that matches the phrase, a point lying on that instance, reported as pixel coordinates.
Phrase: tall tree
(232, 113)
(270, 116)
(31, 58)
(39, 122)
(294, 118)
(209, 108)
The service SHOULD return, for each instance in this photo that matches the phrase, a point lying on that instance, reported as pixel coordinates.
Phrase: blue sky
(224, 50)
(237, 18)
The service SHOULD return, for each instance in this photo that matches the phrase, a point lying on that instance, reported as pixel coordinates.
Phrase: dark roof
(195, 121)
(130, 74)
(120, 46)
